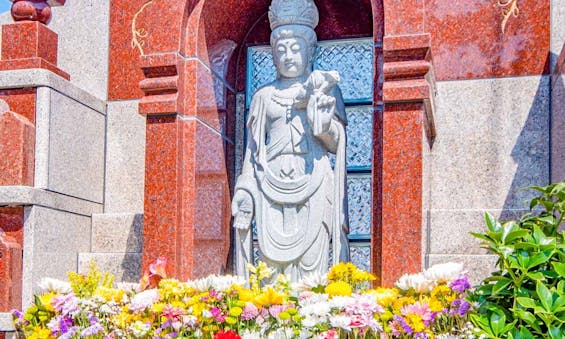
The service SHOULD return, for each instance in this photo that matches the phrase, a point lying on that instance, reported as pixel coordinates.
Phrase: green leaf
(555, 333)
(501, 285)
(525, 333)
(508, 228)
(538, 259)
(526, 316)
(558, 303)
(559, 267)
(526, 302)
(497, 323)
(492, 224)
(545, 296)
(535, 275)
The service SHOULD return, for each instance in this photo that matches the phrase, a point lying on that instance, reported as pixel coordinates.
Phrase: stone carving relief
(288, 186)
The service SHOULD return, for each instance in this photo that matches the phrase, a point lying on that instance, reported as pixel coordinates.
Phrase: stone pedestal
(29, 44)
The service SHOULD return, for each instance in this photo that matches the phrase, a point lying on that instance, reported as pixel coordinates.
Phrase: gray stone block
(28, 196)
(125, 158)
(84, 43)
(124, 266)
(449, 231)
(478, 266)
(76, 149)
(37, 77)
(52, 241)
(117, 233)
(492, 139)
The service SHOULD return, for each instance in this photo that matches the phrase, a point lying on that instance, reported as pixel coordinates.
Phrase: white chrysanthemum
(444, 272)
(200, 285)
(144, 300)
(139, 329)
(416, 281)
(224, 282)
(251, 335)
(340, 302)
(341, 321)
(48, 285)
(128, 287)
(311, 281)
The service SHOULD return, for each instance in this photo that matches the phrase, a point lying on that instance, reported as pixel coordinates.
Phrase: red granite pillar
(400, 135)
(186, 211)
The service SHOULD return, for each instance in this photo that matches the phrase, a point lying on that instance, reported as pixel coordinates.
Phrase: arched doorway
(210, 91)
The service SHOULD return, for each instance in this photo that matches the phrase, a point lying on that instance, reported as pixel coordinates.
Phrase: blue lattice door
(354, 60)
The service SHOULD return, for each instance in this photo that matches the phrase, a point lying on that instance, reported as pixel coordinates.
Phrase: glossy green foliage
(525, 297)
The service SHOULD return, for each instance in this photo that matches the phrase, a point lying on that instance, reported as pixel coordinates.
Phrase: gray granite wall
(492, 139)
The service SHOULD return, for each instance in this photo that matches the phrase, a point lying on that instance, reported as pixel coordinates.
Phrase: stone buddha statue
(287, 185)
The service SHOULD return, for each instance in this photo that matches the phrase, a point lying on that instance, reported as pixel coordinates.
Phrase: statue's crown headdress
(293, 12)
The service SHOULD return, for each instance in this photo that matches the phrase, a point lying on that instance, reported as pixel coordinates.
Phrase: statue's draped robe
(299, 200)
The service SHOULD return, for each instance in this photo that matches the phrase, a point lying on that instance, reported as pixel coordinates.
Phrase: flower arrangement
(341, 304)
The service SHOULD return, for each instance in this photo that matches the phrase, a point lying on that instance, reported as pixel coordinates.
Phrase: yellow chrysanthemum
(109, 294)
(416, 322)
(269, 297)
(46, 301)
(399, 303)
(40, 333)
(338, 288)
(384, 296)
(246, 294)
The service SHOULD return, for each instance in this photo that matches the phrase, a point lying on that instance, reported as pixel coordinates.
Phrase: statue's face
(291, 57)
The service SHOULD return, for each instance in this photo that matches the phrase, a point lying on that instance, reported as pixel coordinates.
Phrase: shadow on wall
(131, 263)
(531, 152)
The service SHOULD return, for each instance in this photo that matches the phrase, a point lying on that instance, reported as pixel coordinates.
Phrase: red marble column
(186, 215)
(400, 135)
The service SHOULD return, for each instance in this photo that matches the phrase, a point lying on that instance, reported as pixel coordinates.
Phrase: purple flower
(399, 320)
(460, 307)
(460, 284)
(92, 330)
(66, 304)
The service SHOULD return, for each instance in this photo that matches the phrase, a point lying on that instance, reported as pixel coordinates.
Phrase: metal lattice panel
(361, 256)
(353, 59)
(260, 69)
(359, 137)
(359, 196)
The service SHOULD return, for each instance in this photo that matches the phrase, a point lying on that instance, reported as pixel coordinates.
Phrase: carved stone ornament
(293, 12)
(287, 186)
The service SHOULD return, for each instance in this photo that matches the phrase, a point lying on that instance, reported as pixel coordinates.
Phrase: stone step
(117, 233)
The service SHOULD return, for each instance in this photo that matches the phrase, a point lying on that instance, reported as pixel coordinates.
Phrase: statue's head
(293, 38)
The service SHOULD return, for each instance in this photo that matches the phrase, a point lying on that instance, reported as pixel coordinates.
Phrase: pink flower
(173, 313)
(250, 311)
(275, 310)
(330, 334)
(217, 314)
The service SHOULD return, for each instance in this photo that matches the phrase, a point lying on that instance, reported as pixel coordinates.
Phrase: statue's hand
(242, 209)
(321, 109)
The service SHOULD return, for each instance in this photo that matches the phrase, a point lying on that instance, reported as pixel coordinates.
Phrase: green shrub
(525, 298)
